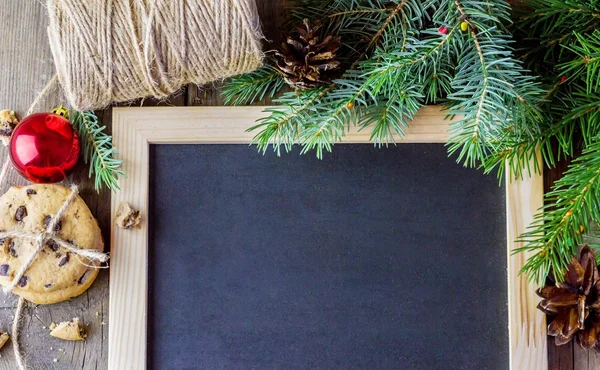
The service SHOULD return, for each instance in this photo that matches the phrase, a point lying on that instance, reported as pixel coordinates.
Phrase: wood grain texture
(134, 129)
(25, 69)
(569, 356)
(527, 325)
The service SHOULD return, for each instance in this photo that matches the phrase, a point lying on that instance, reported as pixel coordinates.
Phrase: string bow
(50, 234)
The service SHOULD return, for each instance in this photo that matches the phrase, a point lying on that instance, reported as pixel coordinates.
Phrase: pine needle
(400, 55)
(98, 151)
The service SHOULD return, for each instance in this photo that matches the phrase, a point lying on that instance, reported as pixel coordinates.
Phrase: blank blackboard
(372, 258)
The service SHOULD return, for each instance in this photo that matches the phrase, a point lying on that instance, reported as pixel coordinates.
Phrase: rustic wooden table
(25, 67)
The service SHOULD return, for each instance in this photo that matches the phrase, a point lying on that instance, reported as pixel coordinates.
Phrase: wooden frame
(134, 129)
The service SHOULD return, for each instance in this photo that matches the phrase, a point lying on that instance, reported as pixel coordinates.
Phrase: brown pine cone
(574, 303)
(307, 61)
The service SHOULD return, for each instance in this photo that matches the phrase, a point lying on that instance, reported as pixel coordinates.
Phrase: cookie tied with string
(64, 266)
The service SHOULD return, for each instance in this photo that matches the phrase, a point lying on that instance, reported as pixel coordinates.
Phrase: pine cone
(575, 303)
(306, 61)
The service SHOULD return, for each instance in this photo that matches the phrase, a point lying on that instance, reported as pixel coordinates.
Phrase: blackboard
(372, 258)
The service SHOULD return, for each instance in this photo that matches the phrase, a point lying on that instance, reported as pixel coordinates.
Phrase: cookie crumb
(8, 121)
(55, 360)
(3, 338)
(127, 217)
(53, 326)
(69, 330)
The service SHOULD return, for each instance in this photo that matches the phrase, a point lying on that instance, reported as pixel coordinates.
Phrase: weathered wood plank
(560, 357)
(26, 68)
(583, 359)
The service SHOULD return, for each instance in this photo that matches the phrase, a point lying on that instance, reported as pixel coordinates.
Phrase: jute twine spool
(109, 51)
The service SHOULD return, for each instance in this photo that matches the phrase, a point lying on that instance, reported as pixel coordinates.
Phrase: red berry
(563, 79)
(443, 30)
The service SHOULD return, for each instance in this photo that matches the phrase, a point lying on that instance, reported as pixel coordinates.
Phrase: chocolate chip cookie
(56, 274)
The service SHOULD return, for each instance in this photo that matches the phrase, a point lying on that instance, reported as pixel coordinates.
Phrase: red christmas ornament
(44, 147)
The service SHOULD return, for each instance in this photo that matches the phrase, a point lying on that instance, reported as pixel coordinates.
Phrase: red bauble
(44, 147)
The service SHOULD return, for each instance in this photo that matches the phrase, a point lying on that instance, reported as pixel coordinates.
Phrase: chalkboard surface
(391, 258)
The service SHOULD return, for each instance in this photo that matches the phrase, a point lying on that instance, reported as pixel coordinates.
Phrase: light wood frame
(134, 129)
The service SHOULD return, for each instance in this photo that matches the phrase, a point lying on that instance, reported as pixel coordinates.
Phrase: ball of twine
(109, 51)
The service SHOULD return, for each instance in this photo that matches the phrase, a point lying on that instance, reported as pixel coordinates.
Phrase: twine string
(122, 50)
(5, 168)
(41, 238)
(42, 95)
(15, 334)
(38, 99)
(50, 234)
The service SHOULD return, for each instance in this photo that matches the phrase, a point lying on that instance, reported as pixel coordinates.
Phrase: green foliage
(508, 104)
(253, 86)
(98, 151)
(586, 61)
(572, 207)
(568, 60)
(397, 61)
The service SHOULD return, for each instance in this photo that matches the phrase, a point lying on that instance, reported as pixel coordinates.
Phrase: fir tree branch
(254, 86)
(489, 88)
(397, 9)
(319, 122)
(397, 59)
(554, 22)
(98, 151)
(586, 62)
(573, 204)
(358, 11)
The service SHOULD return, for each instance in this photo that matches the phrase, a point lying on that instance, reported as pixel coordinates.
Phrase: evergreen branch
(554, 23)
(356, 21)
(281, 127)
(98, 151)
(399, 55)
(552, 17)
(489, 88)
(254, 86)
(319, 121)
(397, 9)
(587, 61)
(358, 11)
(573, 204)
